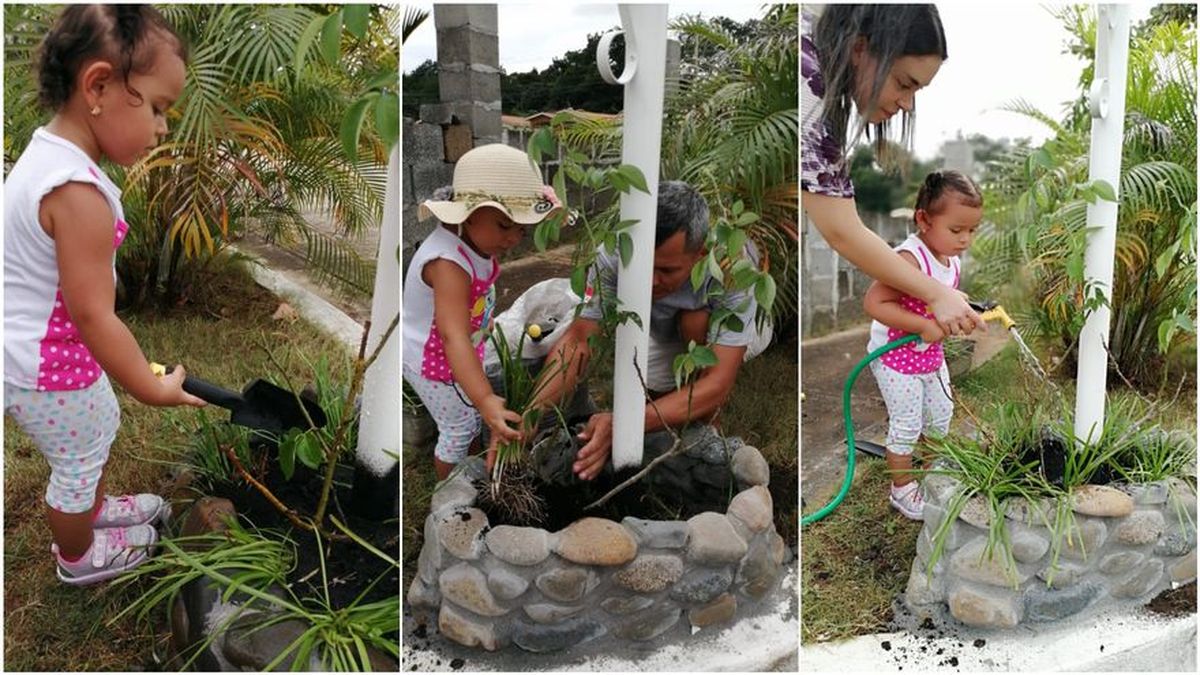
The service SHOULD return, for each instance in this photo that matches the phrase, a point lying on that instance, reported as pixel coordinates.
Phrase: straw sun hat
(499, 176)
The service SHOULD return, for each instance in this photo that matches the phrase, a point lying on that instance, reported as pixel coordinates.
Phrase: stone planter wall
(633, 580)
(1129, 543)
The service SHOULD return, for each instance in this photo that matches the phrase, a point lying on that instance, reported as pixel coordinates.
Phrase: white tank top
(42, 346)
(928, 262)
(422, 349)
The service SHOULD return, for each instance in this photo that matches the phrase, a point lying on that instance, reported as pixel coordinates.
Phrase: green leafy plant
(1037, 200)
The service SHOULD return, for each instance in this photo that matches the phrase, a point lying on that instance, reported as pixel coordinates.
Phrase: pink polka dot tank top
(916, 357)
(424, 350)
(43, 349)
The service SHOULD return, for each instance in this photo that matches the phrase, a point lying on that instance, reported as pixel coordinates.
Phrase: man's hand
(593, 455)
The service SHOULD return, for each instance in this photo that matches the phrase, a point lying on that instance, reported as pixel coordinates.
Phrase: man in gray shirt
(678, 314)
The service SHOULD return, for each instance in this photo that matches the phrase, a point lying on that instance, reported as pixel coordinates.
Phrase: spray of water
(1032, 364)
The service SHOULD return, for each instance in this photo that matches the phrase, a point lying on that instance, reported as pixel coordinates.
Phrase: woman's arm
(837, 220)
(882, 303)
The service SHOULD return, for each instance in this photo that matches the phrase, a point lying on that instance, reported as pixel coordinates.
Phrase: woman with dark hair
(874, 57)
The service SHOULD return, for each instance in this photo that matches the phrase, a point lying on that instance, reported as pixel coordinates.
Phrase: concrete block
(437, 113)
(485, 124)
(469, 86)
(406, 185)
(424, 144)
(459, 141)
(466, 44)
(429, 176)
(482, 17)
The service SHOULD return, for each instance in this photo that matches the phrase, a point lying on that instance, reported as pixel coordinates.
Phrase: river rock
(924, 589)
(429, 562)
(713, 540)
(1101, 500)
(596, 541)
(650, 573)
(970, 562)
(718, 611)
(506, 585)
(459, 493)
(1120, 562)
(1063, 574)
(657, 533)
(564, 585)
(753, 508)
(1140, 582)
(1139, 528)
(1035, 514)
(1176, 541)
(975, 511)
(253, 648)
(544, 612)
(1028, 544)
(757, 573)
(466, 586)
(1042, 604)
(460, 532)
(555, 637)
(984, 608)
(702, 585)
(626, 605)
(466, 631)
(519, 545)
(649, 623)
(421, 594)
(1086, 538)
(749, 467)
(1184, 570)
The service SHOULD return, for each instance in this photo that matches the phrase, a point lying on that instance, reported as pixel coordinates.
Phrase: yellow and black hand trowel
(261, 406)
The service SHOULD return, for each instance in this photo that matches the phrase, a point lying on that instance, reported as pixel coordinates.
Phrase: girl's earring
(96, 111)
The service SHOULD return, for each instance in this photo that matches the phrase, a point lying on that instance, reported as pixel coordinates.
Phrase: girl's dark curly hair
(939, 183)
(121, 34)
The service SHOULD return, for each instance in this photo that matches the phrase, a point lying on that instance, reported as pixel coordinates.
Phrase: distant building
(959, 155)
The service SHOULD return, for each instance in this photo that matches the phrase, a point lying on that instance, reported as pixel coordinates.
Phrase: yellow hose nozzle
(998, 312)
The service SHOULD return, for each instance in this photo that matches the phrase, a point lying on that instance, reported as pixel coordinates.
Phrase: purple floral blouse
(823, 167)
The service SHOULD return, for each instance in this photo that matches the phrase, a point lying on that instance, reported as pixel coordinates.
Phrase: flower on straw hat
(498, 176)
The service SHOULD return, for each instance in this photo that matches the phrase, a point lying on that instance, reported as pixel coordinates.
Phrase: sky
(532, 35)
(998, 52)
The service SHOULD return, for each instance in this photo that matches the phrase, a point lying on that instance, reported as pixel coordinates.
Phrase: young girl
(108, 72)
(449, 294)
(913, 379)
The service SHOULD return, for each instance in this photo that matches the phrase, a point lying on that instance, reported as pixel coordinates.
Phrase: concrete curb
(766, 641)
(311, 306)
(1116, 640)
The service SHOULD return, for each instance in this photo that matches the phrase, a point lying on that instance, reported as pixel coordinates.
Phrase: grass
(49, 626)
(856, 560)
(762, 409)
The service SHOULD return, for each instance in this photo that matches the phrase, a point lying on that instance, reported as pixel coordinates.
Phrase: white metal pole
(1107, 99)
(379, 418)
(645, 28)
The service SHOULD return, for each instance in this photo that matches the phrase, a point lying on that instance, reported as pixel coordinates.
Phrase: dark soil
(564, 504)
(349, 567)
(1175, 602)
(1051, 455)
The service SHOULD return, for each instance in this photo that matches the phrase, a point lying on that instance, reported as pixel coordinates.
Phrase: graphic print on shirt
(482, 301)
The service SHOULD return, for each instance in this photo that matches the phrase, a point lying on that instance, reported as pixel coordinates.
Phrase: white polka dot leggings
(916, 404)
(457, 421)
(73, 430)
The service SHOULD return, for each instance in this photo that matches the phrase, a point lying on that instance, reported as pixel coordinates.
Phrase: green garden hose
(988, 311)
(828, 508)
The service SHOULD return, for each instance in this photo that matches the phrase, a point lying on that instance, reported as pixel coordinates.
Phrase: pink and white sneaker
(907, 500)
(114, 551)
(130, 510)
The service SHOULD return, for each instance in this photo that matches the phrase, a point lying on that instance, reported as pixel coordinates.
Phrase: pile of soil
(1175, 602)
(349, 567)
